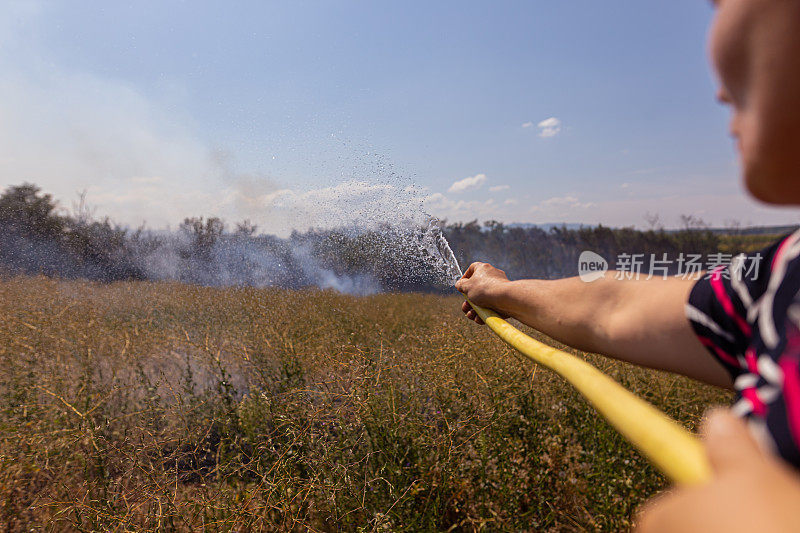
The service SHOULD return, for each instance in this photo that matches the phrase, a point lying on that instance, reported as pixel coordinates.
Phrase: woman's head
(755, 50)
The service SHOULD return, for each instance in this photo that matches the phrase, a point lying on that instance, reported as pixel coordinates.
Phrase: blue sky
(288, 112)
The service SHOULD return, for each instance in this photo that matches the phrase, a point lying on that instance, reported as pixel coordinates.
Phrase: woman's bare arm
(639, 321)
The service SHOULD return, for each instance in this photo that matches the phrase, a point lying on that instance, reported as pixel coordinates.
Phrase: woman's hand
(483, 284)
(751, 490)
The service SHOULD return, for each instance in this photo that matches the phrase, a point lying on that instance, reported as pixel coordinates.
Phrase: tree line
(36, 237)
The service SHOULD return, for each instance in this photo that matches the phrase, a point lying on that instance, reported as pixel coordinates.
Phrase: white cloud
(551, 122)
(511, 201)
(497, 188)
(549, 127)
(444, 207)
(562, 202)
(472, 182)
(527, 124)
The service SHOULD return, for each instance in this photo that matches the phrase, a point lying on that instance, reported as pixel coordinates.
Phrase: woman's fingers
(472, 315)
(471, 270)
(461, 285)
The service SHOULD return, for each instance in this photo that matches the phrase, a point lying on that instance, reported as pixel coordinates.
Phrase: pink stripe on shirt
(751, 394)
(779, 252)
(791, 393)
(752, 361)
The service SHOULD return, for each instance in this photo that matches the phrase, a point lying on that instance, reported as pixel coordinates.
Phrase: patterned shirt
(747, 314)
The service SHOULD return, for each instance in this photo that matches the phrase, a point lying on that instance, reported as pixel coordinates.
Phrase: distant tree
(24, 210)
(494, 226)
(653, 221)
(245, 228)
(204, 232)
(198, 261)
(691, 222)
(82, 212)
(733, 226)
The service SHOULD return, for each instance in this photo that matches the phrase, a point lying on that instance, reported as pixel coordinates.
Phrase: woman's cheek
(769, 162)
(753, 151)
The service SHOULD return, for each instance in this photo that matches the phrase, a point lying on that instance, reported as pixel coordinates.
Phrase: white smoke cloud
(68, 130)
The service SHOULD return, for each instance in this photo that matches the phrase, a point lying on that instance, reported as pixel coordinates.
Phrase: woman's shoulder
(770, 271)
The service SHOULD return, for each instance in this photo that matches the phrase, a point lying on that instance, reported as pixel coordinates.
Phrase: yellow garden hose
(673, 449)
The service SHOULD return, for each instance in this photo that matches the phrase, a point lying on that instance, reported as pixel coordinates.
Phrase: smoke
(255, 261)
(325, 278)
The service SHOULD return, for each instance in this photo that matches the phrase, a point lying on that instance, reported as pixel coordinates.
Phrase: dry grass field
(160, 406)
